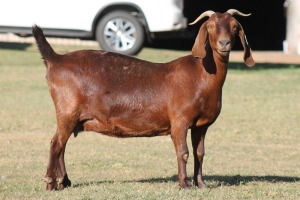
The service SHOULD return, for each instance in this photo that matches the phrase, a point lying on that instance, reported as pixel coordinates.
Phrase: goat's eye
(210, 26)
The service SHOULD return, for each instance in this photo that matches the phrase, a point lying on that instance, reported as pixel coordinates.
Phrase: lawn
(252, 150)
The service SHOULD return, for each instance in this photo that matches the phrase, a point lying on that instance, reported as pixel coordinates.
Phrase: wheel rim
(120, 34)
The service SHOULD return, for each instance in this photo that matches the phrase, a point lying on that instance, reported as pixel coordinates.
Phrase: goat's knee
(185, 157)
(200, 154)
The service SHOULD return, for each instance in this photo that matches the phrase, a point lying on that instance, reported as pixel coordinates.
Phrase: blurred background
(265, 28)
(271, 23)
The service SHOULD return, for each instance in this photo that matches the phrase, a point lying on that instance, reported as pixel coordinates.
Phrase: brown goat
(123, 96)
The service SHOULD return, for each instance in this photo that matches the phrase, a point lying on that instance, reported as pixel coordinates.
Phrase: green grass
(252, 150)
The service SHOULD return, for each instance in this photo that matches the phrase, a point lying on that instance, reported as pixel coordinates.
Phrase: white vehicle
(118, 25)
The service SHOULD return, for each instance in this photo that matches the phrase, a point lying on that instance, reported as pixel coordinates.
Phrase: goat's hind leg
(198, 136)
(56, 167)
(62, 179)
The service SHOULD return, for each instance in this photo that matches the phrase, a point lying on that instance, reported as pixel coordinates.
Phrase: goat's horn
(208, 13)
(236, 12)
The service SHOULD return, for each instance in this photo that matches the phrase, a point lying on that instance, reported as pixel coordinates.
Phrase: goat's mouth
(224, 52)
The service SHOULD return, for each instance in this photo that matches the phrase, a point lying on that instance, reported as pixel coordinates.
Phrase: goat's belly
(126, 129)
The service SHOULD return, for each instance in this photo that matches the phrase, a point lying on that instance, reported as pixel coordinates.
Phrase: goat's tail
(45, 49)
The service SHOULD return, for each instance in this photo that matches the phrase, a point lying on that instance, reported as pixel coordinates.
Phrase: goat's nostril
(224, 42)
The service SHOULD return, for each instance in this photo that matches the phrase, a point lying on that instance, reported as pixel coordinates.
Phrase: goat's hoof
(51, 183)
(201, 184)
(185, 185)
(198, 182)
(65, 183)
(51, 186)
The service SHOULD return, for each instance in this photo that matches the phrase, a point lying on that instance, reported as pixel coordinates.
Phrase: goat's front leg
(178, 134)
(198, 136)
(56, 168)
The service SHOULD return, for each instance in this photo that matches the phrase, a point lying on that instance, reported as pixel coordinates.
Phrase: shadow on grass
(85, 184)
(153, 180)
(229, 180)
(236, 180)
(14, 45)
(213, 181)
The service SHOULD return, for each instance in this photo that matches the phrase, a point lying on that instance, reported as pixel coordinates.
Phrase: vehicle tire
(119, 31)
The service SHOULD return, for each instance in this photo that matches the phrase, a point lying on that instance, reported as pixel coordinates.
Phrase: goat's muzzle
(224, 43)
(224, 47)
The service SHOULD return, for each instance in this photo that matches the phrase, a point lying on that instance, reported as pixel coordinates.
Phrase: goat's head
(220, 30)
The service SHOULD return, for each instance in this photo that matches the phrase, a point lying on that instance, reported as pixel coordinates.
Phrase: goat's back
(108, 71)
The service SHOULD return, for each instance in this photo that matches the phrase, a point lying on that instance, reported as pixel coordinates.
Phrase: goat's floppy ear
(247, 50)
(200, 42)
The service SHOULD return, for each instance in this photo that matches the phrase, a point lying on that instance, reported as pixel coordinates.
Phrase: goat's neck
(216, 65)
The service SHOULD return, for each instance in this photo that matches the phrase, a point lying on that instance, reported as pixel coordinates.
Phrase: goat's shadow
(213, 181)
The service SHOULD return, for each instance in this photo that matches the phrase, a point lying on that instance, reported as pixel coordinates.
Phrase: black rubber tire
(139, 33)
